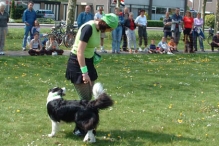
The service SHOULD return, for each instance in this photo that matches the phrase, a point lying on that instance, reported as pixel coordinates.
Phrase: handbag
(97, 58)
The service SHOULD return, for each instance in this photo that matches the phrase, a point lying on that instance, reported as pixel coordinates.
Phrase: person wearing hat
(80, 66)
(141, 22)
(215, 41)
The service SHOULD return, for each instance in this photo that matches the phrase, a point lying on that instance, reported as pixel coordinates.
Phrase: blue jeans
(27, 30)
(116, 39)
(195, 38)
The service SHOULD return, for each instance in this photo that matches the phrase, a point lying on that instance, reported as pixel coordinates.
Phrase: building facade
(210, 6)
(155, 9)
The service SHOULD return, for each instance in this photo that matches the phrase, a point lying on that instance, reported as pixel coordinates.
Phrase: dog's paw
(50, 135)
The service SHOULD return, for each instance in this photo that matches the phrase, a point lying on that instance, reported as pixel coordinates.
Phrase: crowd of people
(173, 27)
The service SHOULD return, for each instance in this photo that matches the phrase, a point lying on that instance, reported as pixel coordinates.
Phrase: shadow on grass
(134, 137)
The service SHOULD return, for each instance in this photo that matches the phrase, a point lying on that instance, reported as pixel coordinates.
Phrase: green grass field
(160, 100)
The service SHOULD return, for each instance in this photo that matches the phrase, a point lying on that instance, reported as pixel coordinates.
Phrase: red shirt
(132, 25)
(188, 22)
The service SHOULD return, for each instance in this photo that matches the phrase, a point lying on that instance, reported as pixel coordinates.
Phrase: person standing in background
(188, 23)
(98, 17)
(29, 16)
(130, 26)
(198, 22)
(141, 22)
(117, 33)
(4, 18)
(85, 16)
(125, 14)
(176, 26)
(167, 26)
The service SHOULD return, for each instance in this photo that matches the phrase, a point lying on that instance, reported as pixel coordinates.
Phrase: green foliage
(19, 12)
(12, 10)
(210, 20)
(155, 23)
(16, 12)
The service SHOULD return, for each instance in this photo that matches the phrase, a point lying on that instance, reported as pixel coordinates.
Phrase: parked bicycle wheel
(209, 39)
(69, 40)
(59, 39)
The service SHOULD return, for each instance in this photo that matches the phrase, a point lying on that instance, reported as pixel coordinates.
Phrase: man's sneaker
(103, 51)
(139, 49)
(24, 49)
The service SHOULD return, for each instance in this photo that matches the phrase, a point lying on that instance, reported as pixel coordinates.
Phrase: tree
(118, 3)
(210, 20)
(203, 11)
(71, 12)
(216, 17)
(12, 10)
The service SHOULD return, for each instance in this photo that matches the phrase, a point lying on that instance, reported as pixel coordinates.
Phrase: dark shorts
(73, 71)
(166, 34)
(187, 31)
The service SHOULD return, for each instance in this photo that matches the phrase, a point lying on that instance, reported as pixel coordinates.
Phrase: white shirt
(141, 20)
(35, 44)
(98, 15)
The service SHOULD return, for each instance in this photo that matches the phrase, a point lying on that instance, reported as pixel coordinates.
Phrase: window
(209, 1)
(161, 10)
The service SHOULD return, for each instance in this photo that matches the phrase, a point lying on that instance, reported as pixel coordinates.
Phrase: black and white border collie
(84, 113)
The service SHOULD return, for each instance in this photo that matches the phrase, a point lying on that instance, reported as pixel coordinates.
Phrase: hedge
(155, 23)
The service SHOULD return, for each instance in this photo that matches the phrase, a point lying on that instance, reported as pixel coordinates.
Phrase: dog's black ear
(60, 92)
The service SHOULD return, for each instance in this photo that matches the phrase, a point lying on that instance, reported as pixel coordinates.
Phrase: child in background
(152, 48)
(35, 46)
(35, 28)
(52, 47)
(172, 45)
(163, 46)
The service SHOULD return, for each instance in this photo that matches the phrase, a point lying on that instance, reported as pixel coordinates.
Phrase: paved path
(67, 52)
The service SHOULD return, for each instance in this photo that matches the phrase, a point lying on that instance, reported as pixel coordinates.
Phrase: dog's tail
(97, 90)
(102, 100)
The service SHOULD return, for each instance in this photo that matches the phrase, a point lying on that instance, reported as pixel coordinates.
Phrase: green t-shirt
(93, 41)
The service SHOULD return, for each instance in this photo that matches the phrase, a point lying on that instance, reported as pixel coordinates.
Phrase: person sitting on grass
(36, 46)
(52, 47)
(172, 45)
(152, 48)
(215, 41)
(163, 46)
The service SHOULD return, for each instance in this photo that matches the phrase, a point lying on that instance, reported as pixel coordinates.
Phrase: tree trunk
(203, 12)
(71, 12)
(118, 3)
(216, 17)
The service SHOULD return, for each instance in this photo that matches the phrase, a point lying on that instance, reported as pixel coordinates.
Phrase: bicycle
(58, 31)
(69, 37)
(210, 36)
